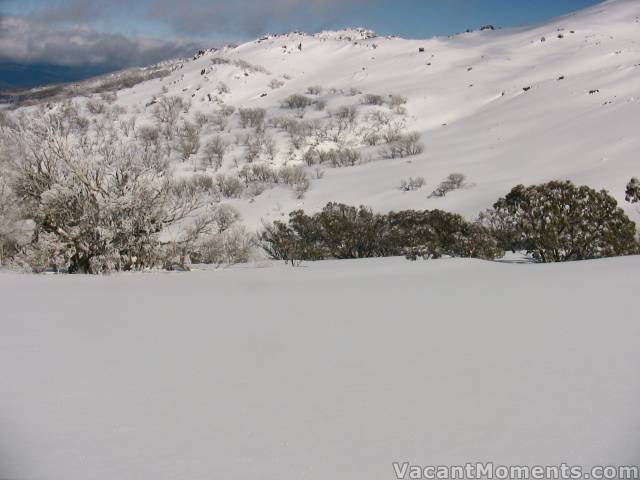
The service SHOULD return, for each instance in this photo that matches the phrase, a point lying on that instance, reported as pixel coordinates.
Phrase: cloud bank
(72, 32)
(23, 40)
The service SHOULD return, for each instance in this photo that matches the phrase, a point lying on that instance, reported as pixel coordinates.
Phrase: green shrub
(633, 191)
(342, 231)
(558, 221)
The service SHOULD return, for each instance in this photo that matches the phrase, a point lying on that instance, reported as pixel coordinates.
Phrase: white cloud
(26, 40)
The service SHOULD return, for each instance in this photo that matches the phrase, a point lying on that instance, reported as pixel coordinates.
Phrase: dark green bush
(633, 191)
(342, 231)
(558, 221)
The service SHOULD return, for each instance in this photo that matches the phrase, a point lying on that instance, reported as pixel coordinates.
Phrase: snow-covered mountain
(559, 100)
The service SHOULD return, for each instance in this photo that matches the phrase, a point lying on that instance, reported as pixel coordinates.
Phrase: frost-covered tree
(214, 151)
(188, 140)
(412, 184)
(13, 231)
(97, 205)
(167, 112)
(296, 102)
(252, 117)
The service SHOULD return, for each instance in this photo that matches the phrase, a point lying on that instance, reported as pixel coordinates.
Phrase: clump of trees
(553, 222)
(342, 231)
(297, 102)
(97, 205)
(406, 145)
(372, 99)
(558, 222)
(411, 184)
(214, 152)
(252, 117)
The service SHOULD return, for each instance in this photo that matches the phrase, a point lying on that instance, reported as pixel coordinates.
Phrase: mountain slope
(502, 107)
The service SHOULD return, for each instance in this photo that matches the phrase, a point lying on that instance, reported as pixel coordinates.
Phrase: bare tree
(252, 117)
(188, 141)
(214, 152)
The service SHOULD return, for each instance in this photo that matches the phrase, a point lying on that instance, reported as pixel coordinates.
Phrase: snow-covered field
(333, 370)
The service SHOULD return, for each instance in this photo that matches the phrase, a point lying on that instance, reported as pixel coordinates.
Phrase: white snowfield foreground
(330, 371)
(496, 133)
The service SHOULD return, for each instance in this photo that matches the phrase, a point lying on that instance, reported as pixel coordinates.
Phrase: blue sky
(145, 30)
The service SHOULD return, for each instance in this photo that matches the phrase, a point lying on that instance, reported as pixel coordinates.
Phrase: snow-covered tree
(97, 205)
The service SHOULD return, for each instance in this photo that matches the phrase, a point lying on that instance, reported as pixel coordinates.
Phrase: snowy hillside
(500, 106)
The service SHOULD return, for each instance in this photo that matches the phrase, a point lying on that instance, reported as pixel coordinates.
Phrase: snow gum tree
(558, 221)
(96, 205)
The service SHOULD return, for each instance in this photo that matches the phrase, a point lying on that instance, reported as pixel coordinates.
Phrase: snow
(337, 369)
(332, 370)
(556, 130)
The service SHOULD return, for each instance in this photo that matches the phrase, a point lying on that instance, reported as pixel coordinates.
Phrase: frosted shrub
(167, 109)
(148, 135)
(214, 151)
(98, 206)
(229, 186)
(412, 184)
(224, 217)
(297, 178)
(167, 112)
(371, 99)
(297, 102)
(252, 117)
(95, 107)
(310, 157)
(454, 181)
(250, 68)
(201, 119)
(260, 173)
(12, 230)
(343, 157)
(201, 183)
(314, 90)
(393, 133)
(233, 245)
(127, 126)
(348, 113)
(220, 61)
(371, 138)
(188, 141)
(396, 101)
(407, 145)
(275, 84)
(301, 187)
